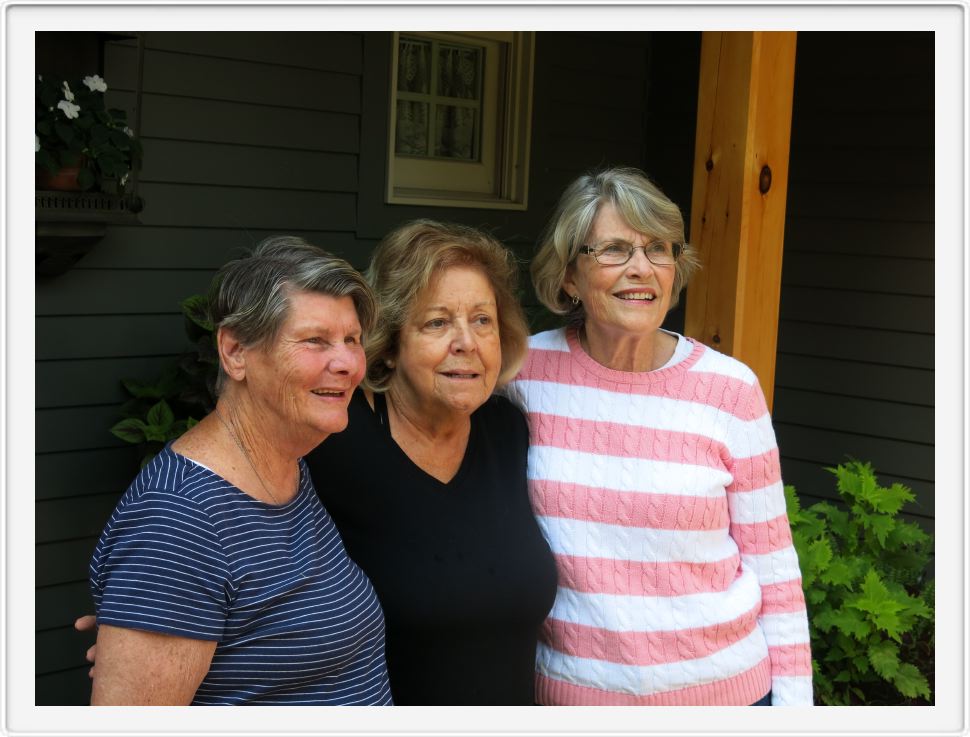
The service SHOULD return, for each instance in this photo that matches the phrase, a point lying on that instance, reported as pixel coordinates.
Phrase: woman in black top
(428, 483)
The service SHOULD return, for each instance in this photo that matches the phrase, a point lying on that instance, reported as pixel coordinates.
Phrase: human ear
(232, 354)
(569, 283)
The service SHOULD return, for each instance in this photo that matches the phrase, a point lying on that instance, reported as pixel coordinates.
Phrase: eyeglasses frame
(676, 249)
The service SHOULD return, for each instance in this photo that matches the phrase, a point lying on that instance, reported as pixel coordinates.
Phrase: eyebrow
(442, 308)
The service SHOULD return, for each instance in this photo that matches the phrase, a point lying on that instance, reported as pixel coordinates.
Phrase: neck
(414, 421)
(637, 353)
(261, 450)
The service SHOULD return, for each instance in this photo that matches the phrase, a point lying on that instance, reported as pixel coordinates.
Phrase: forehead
(609, 224)
(316, 311)
(457, 285)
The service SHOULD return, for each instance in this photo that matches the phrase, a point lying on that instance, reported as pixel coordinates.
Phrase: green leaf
(891, 500)
(910, 682)
(791, 502)
(141, 390)
(99, 134)
(131, 430)
(880, 525)
(196, 308)
(884, 657)
(85, 178)
(907, 533)
(161, 416)
(154, 432)
(880, 605)
(848, 621)
(64, 131)
(837, 574)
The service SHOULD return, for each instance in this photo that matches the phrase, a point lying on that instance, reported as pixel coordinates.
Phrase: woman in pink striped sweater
(655, 476)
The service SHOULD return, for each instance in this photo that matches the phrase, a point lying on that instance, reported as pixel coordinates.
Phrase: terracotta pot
(64, 180)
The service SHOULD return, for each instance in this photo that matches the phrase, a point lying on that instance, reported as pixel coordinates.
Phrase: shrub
(870, 601)
(162, 410)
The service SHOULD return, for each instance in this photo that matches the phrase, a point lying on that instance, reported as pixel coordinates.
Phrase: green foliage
(75, 128)
(870, 602)
(161, 410)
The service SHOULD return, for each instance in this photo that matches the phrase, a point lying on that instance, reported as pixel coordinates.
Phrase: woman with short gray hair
(220, 578)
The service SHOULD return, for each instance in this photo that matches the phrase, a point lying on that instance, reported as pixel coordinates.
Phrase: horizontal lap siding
(855, 370)
(245, 136)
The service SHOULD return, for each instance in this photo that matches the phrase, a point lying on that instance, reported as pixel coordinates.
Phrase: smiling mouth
(332, 393)
(636, 297)
(459, 374)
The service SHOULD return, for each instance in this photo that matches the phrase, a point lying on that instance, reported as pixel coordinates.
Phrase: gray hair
(251, 295)
(641, 204)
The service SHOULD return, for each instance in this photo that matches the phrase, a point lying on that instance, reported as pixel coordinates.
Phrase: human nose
(345, 359)
(463, 340)
(638, 260)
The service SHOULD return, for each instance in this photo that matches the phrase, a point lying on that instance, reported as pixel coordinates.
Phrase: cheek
(360, 367)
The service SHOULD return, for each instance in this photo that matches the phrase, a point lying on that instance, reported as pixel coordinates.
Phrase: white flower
(40, 78)
(95, 83)
(36, 143)
(68, 95)
(124, 179)
(70, 109)
(129, 132)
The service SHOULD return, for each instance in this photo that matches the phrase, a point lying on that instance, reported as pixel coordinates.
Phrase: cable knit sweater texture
(661, 497)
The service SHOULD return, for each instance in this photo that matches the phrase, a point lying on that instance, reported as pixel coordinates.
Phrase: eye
(484, 320)
(614, 249)
(314, 341)
(658, 247)
(351, 340)
(437, 323)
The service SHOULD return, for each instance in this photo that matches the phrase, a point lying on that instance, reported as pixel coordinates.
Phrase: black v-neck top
(461, 569)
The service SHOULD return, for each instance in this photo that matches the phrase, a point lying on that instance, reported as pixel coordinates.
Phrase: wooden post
(740, 187)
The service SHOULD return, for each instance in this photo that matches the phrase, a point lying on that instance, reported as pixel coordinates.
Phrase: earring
(389, 362)
(575, 300)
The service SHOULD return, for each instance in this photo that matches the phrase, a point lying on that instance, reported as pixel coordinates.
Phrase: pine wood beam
(740, 189)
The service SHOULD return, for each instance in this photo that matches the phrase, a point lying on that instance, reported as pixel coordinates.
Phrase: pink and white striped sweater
(660, 495)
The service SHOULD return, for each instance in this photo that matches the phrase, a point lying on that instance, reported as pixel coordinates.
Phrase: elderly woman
(655, 477)
(428, 483)
(220, 578)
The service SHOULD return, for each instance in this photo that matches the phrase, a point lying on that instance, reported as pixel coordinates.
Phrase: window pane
(456, 132)
(412, 128)
(413, 65)
(459, 71)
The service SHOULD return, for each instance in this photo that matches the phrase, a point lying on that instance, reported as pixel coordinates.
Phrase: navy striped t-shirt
(297, 622)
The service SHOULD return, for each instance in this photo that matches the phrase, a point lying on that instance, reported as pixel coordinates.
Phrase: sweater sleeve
(759, 526)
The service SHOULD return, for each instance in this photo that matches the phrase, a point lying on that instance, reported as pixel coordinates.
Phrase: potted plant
(80, 143)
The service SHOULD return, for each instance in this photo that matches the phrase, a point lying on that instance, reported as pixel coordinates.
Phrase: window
(460, 110)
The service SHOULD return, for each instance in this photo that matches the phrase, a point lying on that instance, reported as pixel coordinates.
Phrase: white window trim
(512, 140)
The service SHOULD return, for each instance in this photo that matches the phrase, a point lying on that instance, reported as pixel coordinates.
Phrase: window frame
(500, 179)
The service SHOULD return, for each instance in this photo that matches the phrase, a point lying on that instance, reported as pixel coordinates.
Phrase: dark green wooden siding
(856, 339)
(247, 135)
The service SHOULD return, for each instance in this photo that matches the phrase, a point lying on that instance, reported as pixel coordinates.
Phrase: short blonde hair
(641, 204)
(404, 265)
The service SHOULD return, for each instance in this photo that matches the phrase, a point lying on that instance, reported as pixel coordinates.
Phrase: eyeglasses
(659, 253)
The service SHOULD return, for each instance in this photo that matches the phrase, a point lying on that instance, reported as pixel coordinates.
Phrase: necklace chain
(242, 449)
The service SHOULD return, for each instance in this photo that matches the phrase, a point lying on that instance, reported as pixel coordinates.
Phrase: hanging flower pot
(63, 180)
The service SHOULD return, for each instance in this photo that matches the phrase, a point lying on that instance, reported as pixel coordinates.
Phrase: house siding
(855, 367)
(247, 135)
